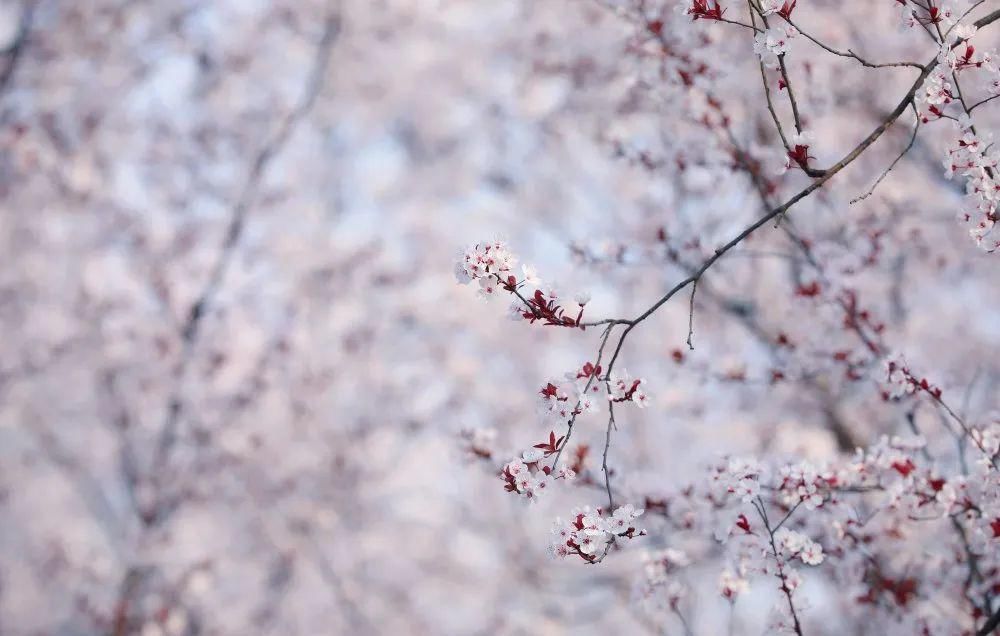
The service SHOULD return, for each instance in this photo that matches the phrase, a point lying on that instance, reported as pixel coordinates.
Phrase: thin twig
(770, 109)
(791, 94)
(787, 516)
(983, 101)
(965, 427)
(913, 138)
(15, 50)
(604, 463)
(850, 54)
(963, 16)
(812, 172)
(781, 570)
(684, 623)
(694, 289)
(590, 381)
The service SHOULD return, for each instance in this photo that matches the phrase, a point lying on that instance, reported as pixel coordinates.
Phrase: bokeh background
(235, 364)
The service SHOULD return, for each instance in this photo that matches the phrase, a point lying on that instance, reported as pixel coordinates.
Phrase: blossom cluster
(899, 381)
(977, 160)
(792, 544)
(783, 8)
(488, 263)
(562, 400)
(805, 483)
(871, 501)
(662, 586)
(622, 388)
(934, 94)
(524, 476)
(575, 394)
(971, 155)
(964, 56)
(944, 13)
(741, 477)
(798, 150)
(773, 42)
(704, 9)
(590, 533)
(492, 265)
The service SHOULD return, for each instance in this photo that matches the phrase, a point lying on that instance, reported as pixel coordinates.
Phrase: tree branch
(781, 209)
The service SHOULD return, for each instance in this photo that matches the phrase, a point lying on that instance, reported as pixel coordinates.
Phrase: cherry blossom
(622, 388)
(774, 42)
(590, 534)
(732, 586)
(237, 368)
(783, 8)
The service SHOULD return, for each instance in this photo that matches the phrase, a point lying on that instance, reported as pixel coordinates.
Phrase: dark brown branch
(812, 187)
(770, 109)
(812, 172)
(15, 51)
(987, 19)
(791, 94)
(963, 16)
(965, 427)
(990, 625)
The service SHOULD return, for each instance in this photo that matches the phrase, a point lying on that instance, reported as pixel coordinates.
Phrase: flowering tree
(900, 529)
(235, 363)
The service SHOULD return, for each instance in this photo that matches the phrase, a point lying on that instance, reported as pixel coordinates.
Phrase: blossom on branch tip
(772, 42)
(525, 479)
(704, 10)
(491, 264)
(622, 388)
(742, 478)
(484, 260)
(796, 545)
(590, 532)
(934, 94)
(798, 153)
(783, 8)
(531, 276)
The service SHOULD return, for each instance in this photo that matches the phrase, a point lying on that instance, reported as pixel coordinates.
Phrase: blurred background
(235, 367)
